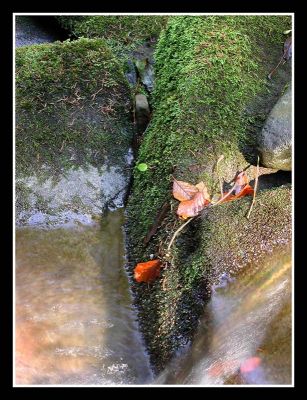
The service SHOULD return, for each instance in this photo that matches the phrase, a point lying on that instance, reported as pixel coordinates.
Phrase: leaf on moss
(246, 191)
(147, 271)
(241, 179)
(190, 208)
(183, 190)
(240, 189)
(193, 198)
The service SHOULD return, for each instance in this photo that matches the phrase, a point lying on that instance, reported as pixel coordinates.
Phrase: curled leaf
(190, 208)
(193, 198)
(241, 179)
(147, 271)
(247, 190)
(183, 190)
(241, 188)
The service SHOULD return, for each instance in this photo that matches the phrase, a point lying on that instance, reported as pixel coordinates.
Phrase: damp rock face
(276, 136)
(73, 132)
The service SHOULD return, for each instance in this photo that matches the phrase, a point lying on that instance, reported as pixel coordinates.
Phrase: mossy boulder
(211, 98)
(131, 37)
(123, 29)
(73, 131)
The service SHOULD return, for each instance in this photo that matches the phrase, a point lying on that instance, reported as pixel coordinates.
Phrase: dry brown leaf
(183, 190)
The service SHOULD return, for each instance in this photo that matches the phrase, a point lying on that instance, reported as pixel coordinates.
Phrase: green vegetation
(208, 70)
(120, 30)
(210, 73)
(72, 106)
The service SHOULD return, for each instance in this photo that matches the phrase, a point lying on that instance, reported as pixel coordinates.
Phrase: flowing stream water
(244, 336)
(74, 319)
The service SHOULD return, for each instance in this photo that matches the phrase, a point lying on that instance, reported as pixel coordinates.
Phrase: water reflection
(74, 319)
(245, 333)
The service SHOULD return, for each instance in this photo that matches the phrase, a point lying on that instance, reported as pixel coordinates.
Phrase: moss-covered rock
(131, 37)
(124, 29)
(73, 128)
(211, 97)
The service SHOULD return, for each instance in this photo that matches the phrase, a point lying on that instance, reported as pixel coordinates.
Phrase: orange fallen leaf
(241, 188)
(147, 271)
(190, 208)
(246, 191)
(250, 364)
(183, 190)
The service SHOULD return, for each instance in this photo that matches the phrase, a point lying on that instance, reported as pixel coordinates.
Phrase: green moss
(72, 105)
(117, 30)
(210, 72)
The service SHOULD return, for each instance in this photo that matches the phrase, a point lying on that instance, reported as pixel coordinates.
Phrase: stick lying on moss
(255, 189)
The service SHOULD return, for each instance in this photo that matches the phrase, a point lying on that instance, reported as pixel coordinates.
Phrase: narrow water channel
(74, 320)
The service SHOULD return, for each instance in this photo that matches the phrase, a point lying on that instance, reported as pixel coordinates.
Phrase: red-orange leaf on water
(250, 364)
(147, 271)
(190, 208)
(183, 190)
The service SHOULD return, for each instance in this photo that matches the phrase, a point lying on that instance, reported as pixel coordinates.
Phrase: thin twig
(193, 153)
(217, 171)
(158, 220)
(255, 189)
(176, 233)
(224, 197)
(272, 72)
(95, 94)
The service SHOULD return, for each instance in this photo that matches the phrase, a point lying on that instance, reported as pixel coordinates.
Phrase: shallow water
(244, 336)
(74, 319)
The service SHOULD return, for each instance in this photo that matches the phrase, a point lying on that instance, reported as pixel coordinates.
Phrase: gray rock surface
(275, 142)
